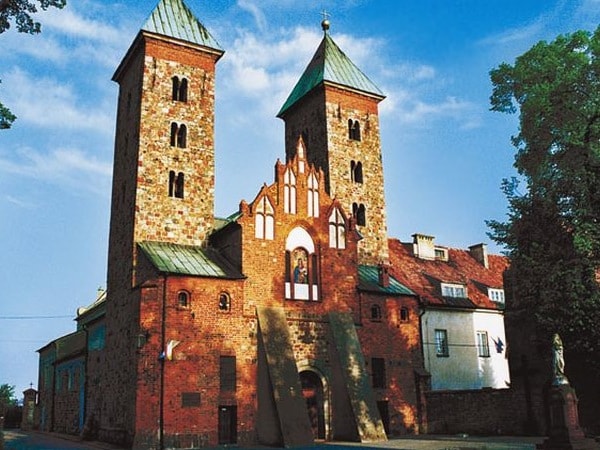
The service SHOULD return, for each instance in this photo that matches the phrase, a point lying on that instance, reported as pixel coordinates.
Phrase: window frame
(337, 230)
(483, 344)
(188, 297)
(453, 290)
(442, 347)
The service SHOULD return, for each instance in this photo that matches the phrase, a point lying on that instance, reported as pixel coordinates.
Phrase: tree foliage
(553, 229)
(21, 12)
(7, 397)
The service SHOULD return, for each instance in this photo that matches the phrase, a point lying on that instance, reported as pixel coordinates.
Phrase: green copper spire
(174, 19)
(330, 65)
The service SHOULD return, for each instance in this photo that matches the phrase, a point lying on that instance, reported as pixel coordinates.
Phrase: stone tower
(163, 179)
(334, 107)
(163, 184)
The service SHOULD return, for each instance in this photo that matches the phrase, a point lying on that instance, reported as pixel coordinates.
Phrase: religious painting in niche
(300, 261)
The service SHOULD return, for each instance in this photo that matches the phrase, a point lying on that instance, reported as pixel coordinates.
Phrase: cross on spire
(325, 22)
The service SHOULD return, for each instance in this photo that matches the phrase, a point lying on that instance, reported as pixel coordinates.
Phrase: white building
(462, 311)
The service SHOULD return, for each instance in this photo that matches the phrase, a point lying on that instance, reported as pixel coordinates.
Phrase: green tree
(7, 397)
(552, 233)
(21, 12)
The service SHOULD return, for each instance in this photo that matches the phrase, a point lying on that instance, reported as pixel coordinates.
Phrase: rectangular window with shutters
(227, 373)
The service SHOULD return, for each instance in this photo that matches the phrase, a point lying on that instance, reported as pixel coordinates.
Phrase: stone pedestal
(565, 432)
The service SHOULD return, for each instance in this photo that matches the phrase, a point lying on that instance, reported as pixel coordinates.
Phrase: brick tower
(334, 107)
(163, 178)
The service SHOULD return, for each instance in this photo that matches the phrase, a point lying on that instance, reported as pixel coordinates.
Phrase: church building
(281, 324)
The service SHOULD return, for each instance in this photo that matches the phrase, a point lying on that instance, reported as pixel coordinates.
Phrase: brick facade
(321, 118)
(278, 321)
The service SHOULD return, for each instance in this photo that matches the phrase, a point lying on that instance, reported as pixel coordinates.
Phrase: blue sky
(444, 152)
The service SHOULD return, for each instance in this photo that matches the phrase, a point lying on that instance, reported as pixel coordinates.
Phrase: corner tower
(163, 176)
(334, 107)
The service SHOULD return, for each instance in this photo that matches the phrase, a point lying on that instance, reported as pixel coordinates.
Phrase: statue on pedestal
(558, 362)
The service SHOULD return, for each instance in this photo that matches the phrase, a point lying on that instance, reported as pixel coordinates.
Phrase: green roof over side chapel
(330, 64)
(174, 19)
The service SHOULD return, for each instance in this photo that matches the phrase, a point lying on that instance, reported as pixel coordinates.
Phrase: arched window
(224, 302)
(359, 213)
(174, 128)
(353, 130)
(376, 313)
(301, 267)
(337, 229)
(183, 90)
(356, 173)
(404, 316)
(313, 195)
(264, 223)
(179, 93)
(171, 183)
(179, 185)
(178, 135)
(176, 181)
(182, 136)
(289, 191)
(183, 299)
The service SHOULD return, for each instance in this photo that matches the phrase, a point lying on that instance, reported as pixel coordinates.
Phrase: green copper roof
(368, 280)
(174, 19)
(188, 260)
(330, 64)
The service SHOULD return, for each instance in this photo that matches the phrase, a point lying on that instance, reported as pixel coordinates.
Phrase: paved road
(18, 440)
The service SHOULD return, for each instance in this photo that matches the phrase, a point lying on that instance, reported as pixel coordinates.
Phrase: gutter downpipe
(162, 358)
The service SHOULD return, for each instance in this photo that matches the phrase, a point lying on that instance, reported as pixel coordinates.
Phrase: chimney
(423, 246)
(384, 275)
(479, 253)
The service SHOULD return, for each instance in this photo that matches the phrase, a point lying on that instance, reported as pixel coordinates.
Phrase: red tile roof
(425, 276)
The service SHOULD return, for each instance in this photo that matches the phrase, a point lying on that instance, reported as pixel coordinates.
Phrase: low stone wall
(478, 412)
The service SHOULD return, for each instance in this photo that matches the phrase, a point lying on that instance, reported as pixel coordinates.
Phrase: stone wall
(321, 118)
(478, 412)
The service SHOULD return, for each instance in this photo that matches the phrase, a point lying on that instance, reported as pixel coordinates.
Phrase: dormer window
(353, 130)
(496, 295)
(454, 290)
(441, 254)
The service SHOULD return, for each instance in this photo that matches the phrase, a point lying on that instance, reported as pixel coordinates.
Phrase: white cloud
(259, 17)
(64, 166)
(412, 110)
(68, 22)
(47, 103)
(20, 203)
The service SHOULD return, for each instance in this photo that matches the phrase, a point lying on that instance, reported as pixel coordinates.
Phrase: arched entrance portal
(312, 391)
